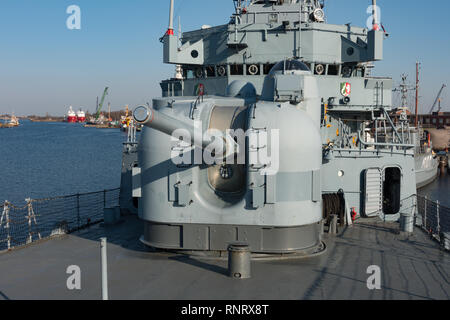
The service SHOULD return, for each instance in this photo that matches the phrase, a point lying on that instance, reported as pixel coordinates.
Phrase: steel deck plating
(412, 267)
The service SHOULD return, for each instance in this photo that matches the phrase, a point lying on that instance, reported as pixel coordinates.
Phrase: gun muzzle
(223, 146)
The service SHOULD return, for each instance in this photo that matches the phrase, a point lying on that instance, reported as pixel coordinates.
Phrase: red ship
(71, 116)
(81, 116)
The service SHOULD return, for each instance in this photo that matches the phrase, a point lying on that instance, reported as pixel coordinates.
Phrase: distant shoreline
(46, 119)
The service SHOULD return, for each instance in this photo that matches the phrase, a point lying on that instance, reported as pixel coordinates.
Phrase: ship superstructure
(367, 166)
(366, 156)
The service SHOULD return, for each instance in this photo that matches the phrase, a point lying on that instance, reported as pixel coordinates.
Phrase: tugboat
(71, 116)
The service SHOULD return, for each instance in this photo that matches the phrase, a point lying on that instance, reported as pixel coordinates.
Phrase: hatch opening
(391, 191)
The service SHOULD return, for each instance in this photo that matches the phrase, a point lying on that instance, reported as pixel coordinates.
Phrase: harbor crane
(438, 98)
(100, 106)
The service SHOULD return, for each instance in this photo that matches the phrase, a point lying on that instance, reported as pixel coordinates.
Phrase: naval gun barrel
(223, 146)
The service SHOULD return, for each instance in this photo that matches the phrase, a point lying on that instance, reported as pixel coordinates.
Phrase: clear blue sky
(44, 67)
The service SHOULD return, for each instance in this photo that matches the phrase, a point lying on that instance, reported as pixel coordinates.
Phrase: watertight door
(374, 192)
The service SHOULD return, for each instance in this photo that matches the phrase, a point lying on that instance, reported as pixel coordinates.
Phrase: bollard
(407, 223)
(104, 269)
(239, 260)
(333, 225)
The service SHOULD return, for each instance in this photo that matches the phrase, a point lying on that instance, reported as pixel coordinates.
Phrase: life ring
(199, 73)
(253, 69)
(320, 69)
(221, 71)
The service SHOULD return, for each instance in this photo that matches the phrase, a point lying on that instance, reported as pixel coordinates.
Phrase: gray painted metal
(407, 223)
(374, 192)
(320, 44)
(341, 100)
(103, 249)
(277, 200)
(214, 238)
(412, 267)
(239, 261)
(129, 161)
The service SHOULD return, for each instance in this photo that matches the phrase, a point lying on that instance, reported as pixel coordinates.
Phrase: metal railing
(434, 218)
(44, 218)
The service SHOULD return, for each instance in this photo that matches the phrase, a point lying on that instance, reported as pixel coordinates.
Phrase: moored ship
(71, 116)
(13, 122)
(426, 161)
(81, 116)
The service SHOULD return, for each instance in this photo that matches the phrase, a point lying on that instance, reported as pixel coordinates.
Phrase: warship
(274, 142)
(365, 156)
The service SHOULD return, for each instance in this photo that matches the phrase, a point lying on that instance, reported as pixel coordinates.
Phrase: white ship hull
(426, 169)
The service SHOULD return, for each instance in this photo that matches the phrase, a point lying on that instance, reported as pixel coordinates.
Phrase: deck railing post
(104, 269)
(424, 224)
(30, 235)
(438, 229)
(415, 209)
(78, 210)
(5, 216)
(31, 217)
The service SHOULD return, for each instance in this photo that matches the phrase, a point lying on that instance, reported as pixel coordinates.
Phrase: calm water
(39, 160)
(438, 190)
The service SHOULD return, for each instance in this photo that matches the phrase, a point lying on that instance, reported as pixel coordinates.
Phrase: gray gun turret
(277, 66)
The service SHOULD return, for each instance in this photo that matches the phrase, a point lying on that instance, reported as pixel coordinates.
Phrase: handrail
(378, 144)
(44, 218)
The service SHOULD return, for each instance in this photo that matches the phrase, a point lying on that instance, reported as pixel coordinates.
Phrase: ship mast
(404, 91)
(416, 123)
(375, 15)
(170, 29)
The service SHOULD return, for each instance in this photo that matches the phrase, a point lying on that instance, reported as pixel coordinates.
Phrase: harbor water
(40, 160)
(439, 190)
